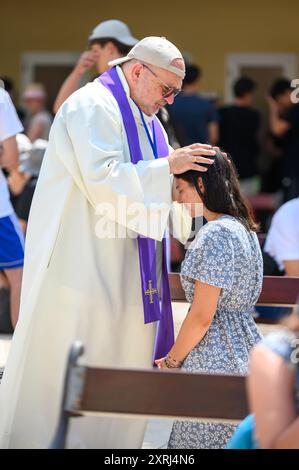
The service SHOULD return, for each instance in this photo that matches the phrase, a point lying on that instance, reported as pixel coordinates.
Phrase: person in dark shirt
(239, 126)
(194, 118)
(165, 118)
(284, 124)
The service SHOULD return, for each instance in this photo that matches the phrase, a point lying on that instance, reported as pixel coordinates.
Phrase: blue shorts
(11, 243)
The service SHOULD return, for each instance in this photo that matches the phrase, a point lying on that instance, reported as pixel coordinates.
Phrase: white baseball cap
(156, 51)
(113, 29)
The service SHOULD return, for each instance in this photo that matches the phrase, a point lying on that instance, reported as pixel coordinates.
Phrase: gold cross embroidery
(151, 291)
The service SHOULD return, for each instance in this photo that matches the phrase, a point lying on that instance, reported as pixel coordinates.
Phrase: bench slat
(277, 290)
(164, 393)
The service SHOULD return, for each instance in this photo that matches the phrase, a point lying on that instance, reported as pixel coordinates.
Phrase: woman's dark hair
(222, 192)
(123, 49)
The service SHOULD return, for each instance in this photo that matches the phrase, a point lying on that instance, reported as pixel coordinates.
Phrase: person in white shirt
(11, 238)
(282, 242)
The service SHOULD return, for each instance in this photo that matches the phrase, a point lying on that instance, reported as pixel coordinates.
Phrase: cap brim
(119, 61)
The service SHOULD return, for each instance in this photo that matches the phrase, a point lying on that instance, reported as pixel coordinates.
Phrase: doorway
(50, 69)
(260, 66)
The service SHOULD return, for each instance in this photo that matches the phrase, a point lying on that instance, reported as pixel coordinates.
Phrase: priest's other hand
(189, 158)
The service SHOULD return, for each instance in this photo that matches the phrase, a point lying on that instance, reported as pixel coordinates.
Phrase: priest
(95, 267)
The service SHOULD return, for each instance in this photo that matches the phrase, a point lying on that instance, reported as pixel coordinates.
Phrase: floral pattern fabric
(226, 255)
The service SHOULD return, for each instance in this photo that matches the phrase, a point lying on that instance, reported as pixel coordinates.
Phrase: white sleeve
(139, 195)
(10, 124)
(283, 239)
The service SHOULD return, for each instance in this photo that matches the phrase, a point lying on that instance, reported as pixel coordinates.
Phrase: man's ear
(136, 71)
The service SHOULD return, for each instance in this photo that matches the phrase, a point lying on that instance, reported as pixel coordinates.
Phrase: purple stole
(147, 246)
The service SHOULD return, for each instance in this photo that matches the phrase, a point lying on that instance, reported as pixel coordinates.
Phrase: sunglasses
(167, 91)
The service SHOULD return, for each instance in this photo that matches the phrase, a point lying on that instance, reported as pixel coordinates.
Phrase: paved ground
(158, 430)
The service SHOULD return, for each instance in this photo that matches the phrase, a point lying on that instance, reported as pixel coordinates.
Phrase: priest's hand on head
(190, 157)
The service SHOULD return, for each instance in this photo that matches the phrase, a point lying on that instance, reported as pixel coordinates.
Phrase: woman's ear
(175, 190)
(200, 184)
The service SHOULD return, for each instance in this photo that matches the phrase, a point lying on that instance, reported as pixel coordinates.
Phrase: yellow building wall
(207, 29)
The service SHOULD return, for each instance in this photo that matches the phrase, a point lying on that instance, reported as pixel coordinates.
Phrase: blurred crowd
(193, 117)
(236, 128)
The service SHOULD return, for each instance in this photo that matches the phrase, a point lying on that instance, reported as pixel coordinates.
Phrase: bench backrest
(279, 291)
(163, 393)
(179, 394)
(89, 391)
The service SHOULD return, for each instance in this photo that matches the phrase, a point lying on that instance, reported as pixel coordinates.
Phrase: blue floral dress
(226, 255)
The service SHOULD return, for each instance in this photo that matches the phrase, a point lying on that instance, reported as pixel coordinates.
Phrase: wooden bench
(278, 291)
(161, 393)
(147, 393)
(264, 201)
(178, 251)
